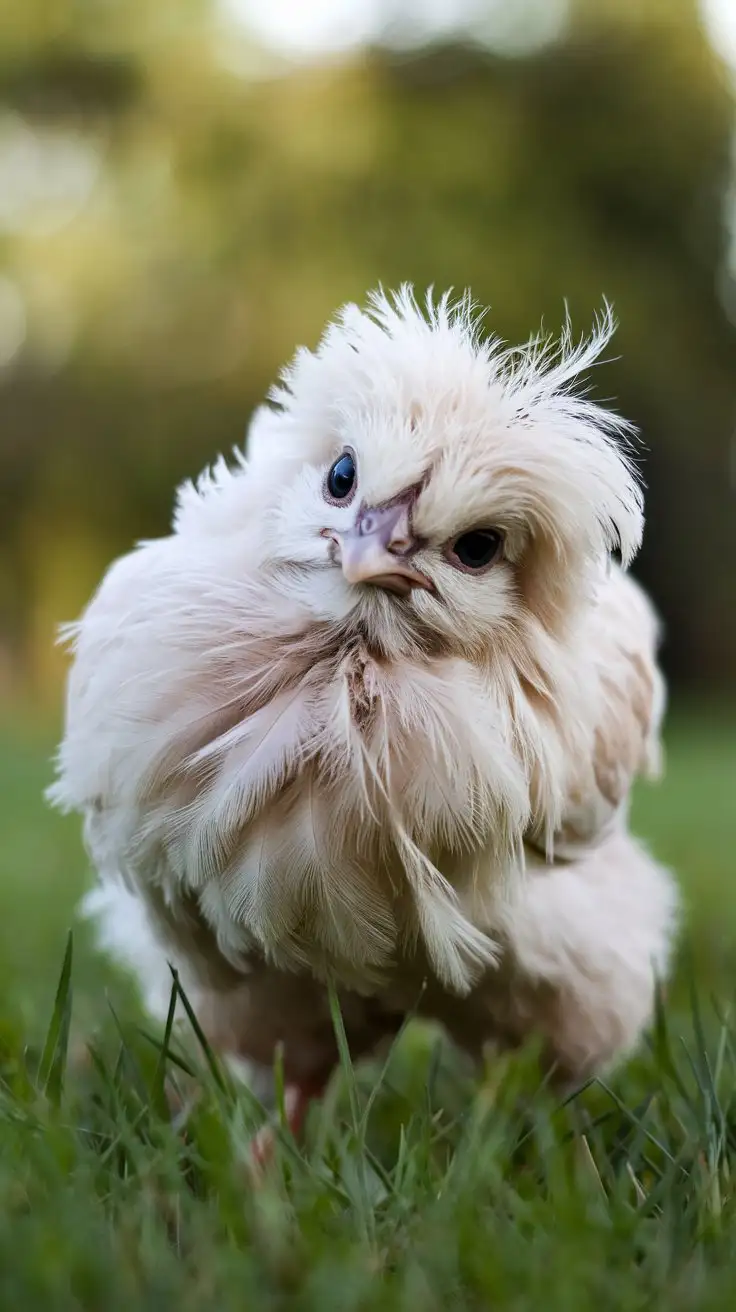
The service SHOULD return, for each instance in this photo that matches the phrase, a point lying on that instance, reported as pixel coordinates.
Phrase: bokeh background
(188, 188)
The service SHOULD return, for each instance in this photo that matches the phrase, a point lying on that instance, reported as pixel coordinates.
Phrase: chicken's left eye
(341, 478)
(476, 550)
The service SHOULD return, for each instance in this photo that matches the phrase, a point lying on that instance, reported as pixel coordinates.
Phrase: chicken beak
(377, 550)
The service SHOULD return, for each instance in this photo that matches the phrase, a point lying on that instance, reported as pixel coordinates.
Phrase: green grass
(418, 1187)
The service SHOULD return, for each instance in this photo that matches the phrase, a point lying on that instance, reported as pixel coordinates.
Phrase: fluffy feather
(293, 773)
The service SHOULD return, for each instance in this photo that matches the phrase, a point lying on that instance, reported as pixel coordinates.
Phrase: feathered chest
(339, 819)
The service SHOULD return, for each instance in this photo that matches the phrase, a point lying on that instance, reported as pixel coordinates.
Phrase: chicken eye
(477, 549)
(341, 477)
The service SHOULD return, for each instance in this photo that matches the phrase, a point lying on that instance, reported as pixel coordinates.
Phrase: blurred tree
(176, 214)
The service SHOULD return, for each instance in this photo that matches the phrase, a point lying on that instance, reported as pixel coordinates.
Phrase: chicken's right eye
(341, 478)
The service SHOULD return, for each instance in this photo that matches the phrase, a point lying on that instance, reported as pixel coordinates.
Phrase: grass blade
(367, 1219)
(158, 1083)
(52, 1068)
(213, 1064)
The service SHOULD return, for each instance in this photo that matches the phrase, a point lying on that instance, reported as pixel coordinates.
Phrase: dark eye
(341, 478)
(477, 549)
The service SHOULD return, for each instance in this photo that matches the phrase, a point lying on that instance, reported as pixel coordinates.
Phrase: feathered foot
(297, 1098)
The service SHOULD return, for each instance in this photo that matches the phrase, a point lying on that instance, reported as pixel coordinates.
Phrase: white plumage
(385, 735)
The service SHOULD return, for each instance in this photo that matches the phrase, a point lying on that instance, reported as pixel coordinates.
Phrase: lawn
(419, 1187)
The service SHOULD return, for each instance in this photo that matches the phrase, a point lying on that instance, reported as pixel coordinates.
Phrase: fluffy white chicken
(372, 711)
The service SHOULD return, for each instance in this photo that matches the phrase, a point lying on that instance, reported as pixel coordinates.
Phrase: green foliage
(206, 220)
(486, 1195)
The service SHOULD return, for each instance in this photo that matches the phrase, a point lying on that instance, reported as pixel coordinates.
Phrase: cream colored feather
(288, 777)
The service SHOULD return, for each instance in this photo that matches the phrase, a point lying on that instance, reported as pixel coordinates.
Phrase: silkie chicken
(371, 713)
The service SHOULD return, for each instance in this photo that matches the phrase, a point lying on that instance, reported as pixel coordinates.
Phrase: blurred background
(189, 188)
